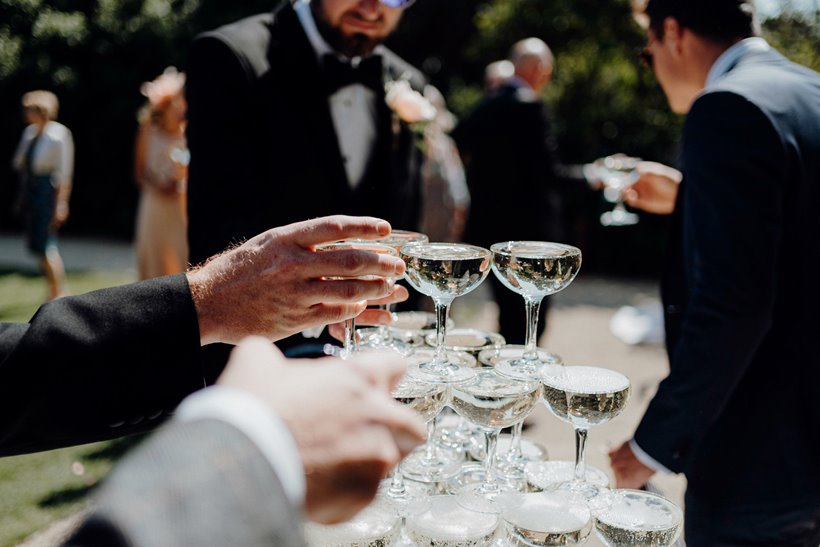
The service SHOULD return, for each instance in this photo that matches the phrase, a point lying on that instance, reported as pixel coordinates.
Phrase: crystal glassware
(444, 271)
(493, 402)
(375, 525)
(639, 519)
(380, 337)
(618, 172)
(547, 475)
(584, 397)
(447, 524)
(350, 345)
(548, 518)
(533, 269)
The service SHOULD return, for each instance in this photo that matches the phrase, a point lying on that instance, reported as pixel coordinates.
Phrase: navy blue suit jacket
(739, 411)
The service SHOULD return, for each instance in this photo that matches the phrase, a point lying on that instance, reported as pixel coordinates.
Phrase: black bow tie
(339, 74)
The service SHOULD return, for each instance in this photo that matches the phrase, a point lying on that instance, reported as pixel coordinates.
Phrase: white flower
(407, 103)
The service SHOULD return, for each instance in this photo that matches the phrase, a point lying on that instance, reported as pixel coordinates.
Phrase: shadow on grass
(114, 449)
(65, 496)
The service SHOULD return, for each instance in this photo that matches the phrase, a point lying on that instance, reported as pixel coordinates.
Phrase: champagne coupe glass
(493, 402)
(448, 524)
(533, 269)
(376, 524)
(548, 518)
(427, 400)
(584, 397)
(350, 345)
(618, 172)
(380, 336)
(444, 271)
(639, 519)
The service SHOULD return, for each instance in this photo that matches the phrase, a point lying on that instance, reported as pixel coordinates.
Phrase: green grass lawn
(38, 489)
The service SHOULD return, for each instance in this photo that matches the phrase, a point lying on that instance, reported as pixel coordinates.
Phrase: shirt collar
(729, 58)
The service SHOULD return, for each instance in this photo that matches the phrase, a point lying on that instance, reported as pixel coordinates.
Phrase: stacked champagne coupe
(437, 496)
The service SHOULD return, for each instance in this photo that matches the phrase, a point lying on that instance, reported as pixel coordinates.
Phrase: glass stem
(350, 337)
(442, 309)
(397, 488)
(580, 447)
(383, 333)
(490, 483)
(531, 307)
(430, 447)
(515, 442)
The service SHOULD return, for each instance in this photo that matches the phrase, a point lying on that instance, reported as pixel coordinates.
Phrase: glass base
(453, 370)
(547, 475)
(596, 497)
(618, 217)
(376, 338)
(443, 465)
(411, 500)
(473, 474)
(480, 499)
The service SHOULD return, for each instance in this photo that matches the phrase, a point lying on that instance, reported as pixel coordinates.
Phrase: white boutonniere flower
(409, 107)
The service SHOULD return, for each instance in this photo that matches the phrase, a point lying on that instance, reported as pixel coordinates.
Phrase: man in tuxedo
(513, 171)
(737, 413)
(242, 461)
(287, 120)
(117, 361)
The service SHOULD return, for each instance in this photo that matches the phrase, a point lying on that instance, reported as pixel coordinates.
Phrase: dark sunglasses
(646, 58)
(397, 3)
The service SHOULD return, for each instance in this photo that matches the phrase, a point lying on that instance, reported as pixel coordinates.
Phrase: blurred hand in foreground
(347, 427)
(656, 189)
(274, 285)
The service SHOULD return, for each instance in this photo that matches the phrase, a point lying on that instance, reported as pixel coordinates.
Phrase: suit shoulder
(399, 68)
(248, 38)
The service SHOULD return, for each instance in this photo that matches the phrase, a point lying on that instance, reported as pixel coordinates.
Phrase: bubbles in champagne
(447, 524)
(375, 526)
(637, 519)
(494, 401)
(548, 518)
(535, 268)
(445, 270)
(586, 396)
(425, 398)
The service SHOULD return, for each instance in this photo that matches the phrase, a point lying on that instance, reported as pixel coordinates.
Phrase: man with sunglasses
(288, 120)
(738, 412)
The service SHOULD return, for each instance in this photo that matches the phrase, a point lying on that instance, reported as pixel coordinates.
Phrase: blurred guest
(737, 413)
(496, 74)
(288, 120)
(161, 173)
(45, 162)
(513, 172)
(445, 197)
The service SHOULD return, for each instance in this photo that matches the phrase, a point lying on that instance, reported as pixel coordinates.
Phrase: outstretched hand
(275, 285)
(629, 471)
(347, 427)
(656, 190)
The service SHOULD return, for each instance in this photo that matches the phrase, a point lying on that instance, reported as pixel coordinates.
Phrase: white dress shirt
(259, 423)
(353, 107)
(53, 153)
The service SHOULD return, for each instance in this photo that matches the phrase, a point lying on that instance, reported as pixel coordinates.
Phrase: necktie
(339, 74)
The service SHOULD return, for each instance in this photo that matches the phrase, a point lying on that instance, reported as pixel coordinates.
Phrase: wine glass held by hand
(444, 271)
(533, 269)
(618, 172)
(357, 246)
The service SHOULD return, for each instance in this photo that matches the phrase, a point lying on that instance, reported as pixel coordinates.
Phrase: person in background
(161, 173)
(45, 162)
(738, 412)
(497, 74)
(515, 178)
(445, 197)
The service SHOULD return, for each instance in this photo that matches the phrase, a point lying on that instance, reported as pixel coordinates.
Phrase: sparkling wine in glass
(350, 345)
(584, 397)
(428, 464)
(448, 524)
(639, 519)
(444, 271)
(533, 269)
(376, 524)
(548, 518)
(493, 402)
(380, 337)
(618, 172)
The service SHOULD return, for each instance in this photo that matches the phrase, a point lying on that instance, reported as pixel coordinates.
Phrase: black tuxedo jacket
(513, 171)
(264, 151)
(739, 411)
(98, 366)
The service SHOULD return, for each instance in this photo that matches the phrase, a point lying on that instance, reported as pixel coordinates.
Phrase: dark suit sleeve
(732, 224)
(218, 132)
(200, 483)
(98, 366)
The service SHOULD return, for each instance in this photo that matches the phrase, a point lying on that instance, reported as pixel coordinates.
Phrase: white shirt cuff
(646, 459)
(262, 426)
